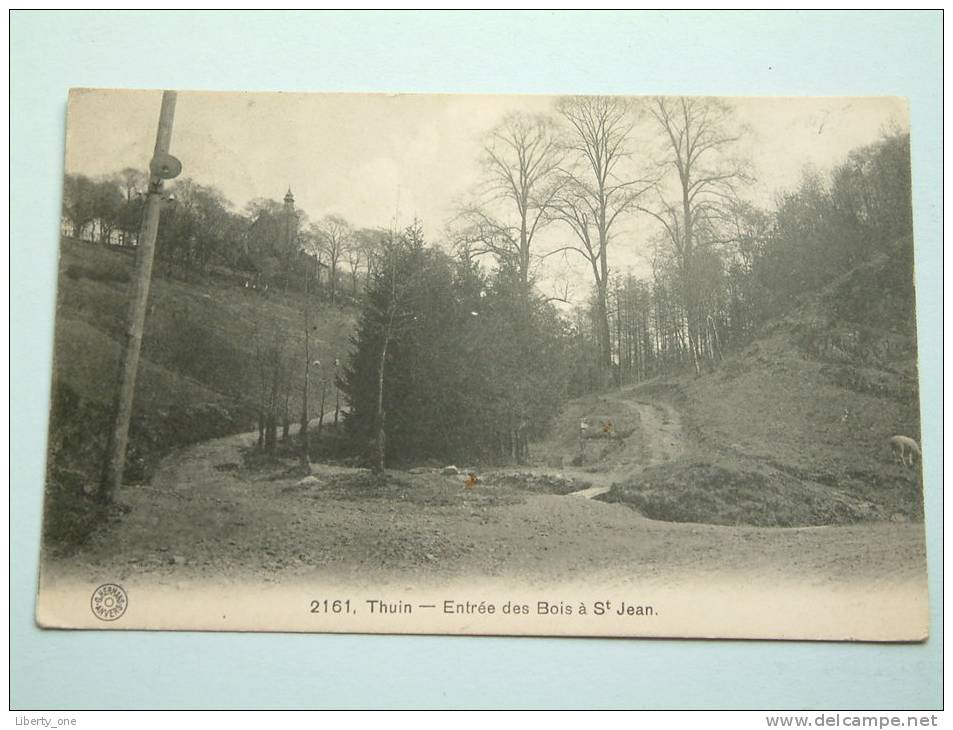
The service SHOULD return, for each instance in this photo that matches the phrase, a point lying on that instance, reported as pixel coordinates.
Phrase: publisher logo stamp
(109, 602)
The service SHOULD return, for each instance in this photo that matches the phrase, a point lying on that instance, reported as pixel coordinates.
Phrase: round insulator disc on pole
(165, 167)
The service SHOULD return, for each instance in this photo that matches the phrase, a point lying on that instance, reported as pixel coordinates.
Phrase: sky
(373, 157)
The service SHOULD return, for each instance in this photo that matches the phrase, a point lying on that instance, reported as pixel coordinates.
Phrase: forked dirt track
(205, 518)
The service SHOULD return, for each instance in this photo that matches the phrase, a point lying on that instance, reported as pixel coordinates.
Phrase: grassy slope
(200, 338)
(199, 372)
(793, 428)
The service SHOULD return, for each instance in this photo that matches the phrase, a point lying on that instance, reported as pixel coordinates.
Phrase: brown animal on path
(903, 449)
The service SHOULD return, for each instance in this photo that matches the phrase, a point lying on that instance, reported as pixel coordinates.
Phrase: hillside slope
(794, 427)
(200, 372)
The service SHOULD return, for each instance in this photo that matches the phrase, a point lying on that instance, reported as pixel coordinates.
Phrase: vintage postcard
(533, 365)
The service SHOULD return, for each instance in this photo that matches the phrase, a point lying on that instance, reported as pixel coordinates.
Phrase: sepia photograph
(620, 366)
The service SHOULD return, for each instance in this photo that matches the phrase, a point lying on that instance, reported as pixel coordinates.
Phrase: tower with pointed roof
(290, 219)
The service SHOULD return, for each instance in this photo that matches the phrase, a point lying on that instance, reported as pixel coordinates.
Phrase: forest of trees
(720, 266)
(451, 361)
(750, 265)
(457, 360)
(202, 234)
(459, 352)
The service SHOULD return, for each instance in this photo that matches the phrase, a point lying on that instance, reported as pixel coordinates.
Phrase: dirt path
(661, 432)
(205, 517)
(657, 438)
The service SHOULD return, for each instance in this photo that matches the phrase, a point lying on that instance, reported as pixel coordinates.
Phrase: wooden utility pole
(162, 167)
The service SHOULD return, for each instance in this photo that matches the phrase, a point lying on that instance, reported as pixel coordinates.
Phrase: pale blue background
(805, 53)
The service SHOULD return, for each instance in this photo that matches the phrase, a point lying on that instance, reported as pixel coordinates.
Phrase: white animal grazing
(904, 449)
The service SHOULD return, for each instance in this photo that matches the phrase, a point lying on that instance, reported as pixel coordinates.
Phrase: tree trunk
(324, 397)
(305, 417)
(380, 436)
(271, 428)
(271, 434)
(602, 312)
(618, 334)
(317, 275)
(286, 404)
(262, 380)
(524, 248)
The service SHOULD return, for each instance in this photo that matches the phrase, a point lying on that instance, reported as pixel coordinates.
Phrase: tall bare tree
(699, 135)
(133, 183)
(355, 256)
(335, 235)
(597, 187)
(312, 245)
(520, 160)
(303, 436)
(370, 242)
(388, 309)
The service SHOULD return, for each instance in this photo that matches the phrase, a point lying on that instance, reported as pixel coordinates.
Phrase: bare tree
(270, 360)
(303, 436)
(312, 245)
(335, 235)
(596, 189)
(133, 183)
(698, 135)
(370, 242)
(388, 308)
(519, 161)
(354, 255)
(388, 323)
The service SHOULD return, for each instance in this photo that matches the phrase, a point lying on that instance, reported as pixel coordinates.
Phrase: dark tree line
(104, 210)
(202, 234)
(751, 265)
(450, 362)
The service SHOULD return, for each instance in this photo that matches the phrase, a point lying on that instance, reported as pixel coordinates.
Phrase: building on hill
(271, 245)
(289, 219)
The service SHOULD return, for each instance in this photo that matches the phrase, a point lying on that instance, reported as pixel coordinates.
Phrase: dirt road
(654, 436)
(205, 517)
